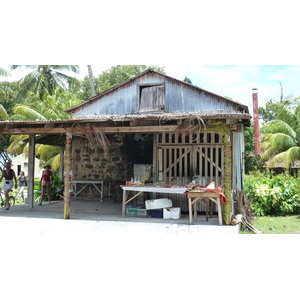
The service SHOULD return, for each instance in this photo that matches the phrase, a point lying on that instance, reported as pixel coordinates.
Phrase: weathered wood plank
(76, 131)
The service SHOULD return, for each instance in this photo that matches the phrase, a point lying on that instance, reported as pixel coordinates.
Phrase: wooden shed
(183, 131)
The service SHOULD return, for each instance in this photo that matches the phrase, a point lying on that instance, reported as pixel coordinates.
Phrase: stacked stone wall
(117, 168)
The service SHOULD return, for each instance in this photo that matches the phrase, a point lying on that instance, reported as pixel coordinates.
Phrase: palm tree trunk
(92, 83)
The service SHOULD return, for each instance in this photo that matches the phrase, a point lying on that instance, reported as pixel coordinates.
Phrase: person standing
(22, 183)
(9, 175)
(46, 182)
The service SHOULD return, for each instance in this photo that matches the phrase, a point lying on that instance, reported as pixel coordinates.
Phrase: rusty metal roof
(98, 96)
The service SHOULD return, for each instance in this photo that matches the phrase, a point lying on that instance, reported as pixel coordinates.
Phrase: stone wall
(117, 168)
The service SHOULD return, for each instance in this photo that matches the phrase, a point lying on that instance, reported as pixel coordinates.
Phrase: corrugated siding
(178, 97)
(184, 98)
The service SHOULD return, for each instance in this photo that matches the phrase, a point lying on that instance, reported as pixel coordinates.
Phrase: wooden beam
(33, 130)
(77, 131)
(137, 129)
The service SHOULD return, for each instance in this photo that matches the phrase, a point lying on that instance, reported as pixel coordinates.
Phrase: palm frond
(17, 145)
(281, 141)
(28, 113)
(4, 73)
(285, 159)
(293, 154)
(28, 83)
(269, 153)
(46, 152)
(3, 113)
(14, 67)
(72, 68)
(278, 126)
(15, 117)
(55, 164)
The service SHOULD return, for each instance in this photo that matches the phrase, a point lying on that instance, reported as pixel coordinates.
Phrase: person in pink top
(46, 182)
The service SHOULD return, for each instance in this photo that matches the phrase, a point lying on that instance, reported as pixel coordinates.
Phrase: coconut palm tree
(3, 73)
(280, 138)
(51, 108)
(45, 78)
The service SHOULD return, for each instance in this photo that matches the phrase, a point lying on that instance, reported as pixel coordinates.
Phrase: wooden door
(181, 159)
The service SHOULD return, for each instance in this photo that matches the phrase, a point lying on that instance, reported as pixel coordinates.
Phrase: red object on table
(223, 198)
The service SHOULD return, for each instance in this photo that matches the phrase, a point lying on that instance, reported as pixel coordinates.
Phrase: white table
(146, 189)
(98, 184)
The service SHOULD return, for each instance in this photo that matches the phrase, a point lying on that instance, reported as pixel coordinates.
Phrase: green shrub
(56, 190)
(273, 194)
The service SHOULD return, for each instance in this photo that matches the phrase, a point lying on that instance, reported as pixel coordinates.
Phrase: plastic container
(157, 213)
(172, 213)
(158, 203)
(142, 213)
(131, 211)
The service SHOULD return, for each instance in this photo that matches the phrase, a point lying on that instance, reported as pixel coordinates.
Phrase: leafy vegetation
(45, 79)
(57, 189)
(271, 194)
(280, 135)
(45, 93)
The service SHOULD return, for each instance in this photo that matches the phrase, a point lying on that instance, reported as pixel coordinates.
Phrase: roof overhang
(53, 131)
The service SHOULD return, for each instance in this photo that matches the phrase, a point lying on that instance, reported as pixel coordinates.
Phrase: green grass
(276, 225)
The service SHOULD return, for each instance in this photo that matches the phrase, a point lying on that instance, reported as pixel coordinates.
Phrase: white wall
(22, 162)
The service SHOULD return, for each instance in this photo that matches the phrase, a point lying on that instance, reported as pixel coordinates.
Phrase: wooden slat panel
(199, 158)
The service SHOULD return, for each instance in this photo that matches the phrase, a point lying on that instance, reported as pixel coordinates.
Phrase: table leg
(206, 208)
(123, 204)
(190, 211)
(195, 211)
(220, 213)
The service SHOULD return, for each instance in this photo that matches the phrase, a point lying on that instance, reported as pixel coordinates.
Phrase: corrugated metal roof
(98, 96)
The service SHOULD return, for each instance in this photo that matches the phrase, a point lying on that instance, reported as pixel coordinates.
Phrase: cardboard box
(158, 203)
(172, 213)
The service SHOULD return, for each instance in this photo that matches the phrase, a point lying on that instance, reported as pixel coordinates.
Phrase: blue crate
(157, 213)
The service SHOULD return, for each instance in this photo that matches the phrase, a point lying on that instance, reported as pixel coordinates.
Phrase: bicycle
(11, 199)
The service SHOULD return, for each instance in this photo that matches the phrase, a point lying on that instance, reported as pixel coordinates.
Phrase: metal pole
(256, 122)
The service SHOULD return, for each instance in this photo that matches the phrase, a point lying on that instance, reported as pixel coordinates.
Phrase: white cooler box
(158, 203)
(172, 213)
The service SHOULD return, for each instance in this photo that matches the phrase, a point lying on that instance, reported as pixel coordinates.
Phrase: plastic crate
(132, 211)
(142, 213)
(157, 213)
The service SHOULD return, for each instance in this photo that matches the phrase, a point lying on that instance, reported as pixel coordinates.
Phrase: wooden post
(30, 175)
(61, 163)
(68, 168)
(227, 182)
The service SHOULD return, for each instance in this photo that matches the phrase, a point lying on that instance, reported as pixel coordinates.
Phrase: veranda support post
(30, 185)
(67, 187)
(227, 182)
